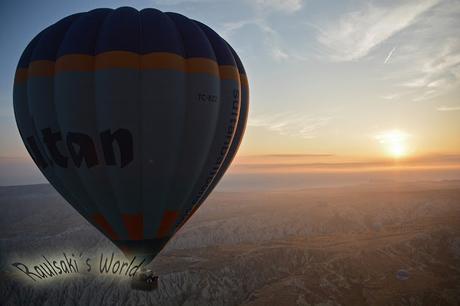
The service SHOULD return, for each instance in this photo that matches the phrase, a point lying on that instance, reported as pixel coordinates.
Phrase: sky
(352, 80)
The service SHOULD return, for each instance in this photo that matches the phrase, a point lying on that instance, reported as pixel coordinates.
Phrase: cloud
(392, 96)
(448, 108)
(426, 61)
(440, 69)
(260, 12)
(438, 72)
(279, 54)
(269, 36)
(178, 2)
(324, 163)
(392, 136)
(287, 6)
(291, 124)
(355, 34)
(229, 28)
(297, 155)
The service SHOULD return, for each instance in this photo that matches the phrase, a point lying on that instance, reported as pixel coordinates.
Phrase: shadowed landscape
(314, 246)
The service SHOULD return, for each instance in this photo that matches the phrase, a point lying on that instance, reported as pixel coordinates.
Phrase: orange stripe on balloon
(169, 218)
(228, 72)
(21, 75)
(100, 220)
(134, 224)
(163, 60)
(118, 59)
(202, 65)
(41, 68)
(125, 59)
(75, 62)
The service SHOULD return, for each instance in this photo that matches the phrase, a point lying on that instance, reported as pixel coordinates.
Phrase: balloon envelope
(133, 116)
(402, 274)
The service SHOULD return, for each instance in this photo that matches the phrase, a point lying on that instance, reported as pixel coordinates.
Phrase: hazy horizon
(263, 172)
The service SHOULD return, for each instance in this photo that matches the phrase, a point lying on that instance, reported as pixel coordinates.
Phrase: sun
(397, 150)
(394, 142)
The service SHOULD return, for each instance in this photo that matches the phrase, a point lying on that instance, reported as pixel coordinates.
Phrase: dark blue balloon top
(127, 29)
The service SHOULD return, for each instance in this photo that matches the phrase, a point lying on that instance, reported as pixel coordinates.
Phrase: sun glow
(394, 142)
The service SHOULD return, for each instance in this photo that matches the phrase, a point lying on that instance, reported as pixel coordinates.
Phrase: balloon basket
(144, 281)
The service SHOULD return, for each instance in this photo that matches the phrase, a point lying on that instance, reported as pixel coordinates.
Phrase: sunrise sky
(349, 81)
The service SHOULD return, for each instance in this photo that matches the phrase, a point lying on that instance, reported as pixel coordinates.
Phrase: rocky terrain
(317, 246)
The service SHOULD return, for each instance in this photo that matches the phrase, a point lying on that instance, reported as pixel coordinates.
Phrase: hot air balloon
(133, 117)
(402, 274)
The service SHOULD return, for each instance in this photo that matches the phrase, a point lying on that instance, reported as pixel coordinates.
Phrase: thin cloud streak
(428, 57)
(262, 11)
(291, 124)
(448, 108)
(271, 37)
(438, 74)
(357, 33)
(287, 6)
